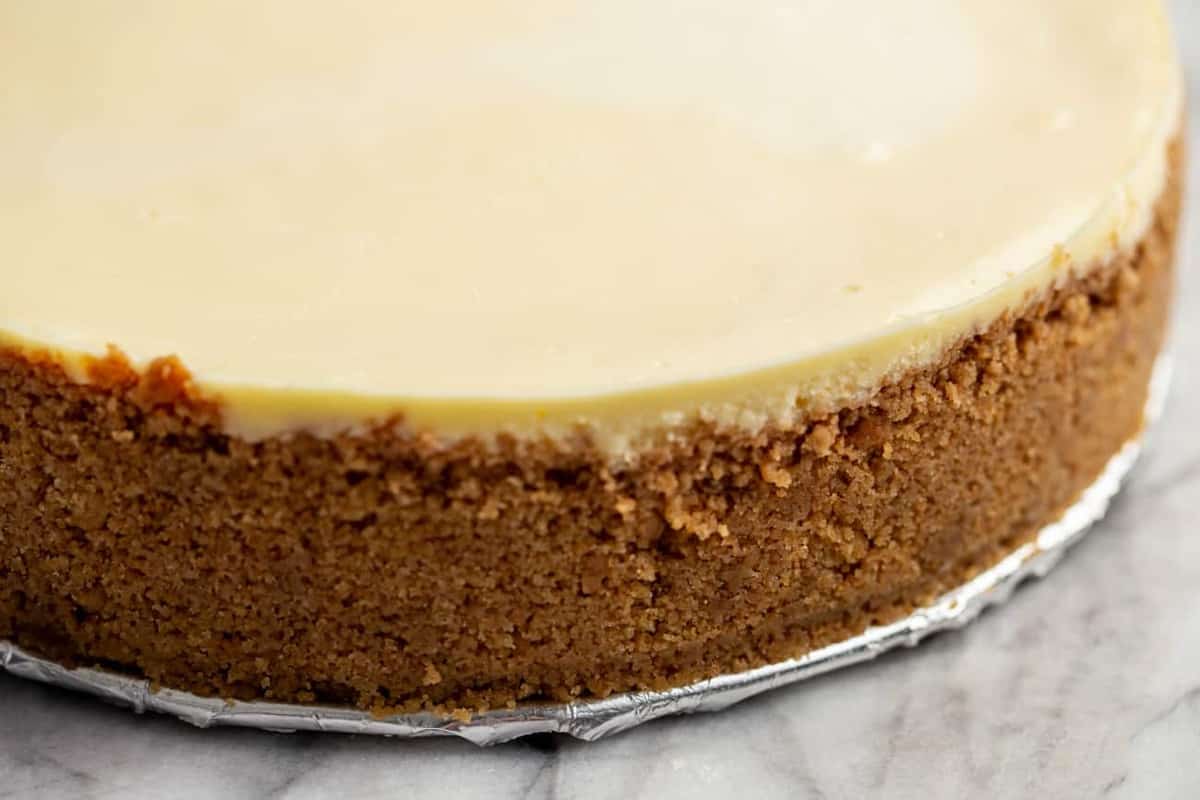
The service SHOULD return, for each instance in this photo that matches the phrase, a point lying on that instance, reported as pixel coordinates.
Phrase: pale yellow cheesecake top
(523, 214)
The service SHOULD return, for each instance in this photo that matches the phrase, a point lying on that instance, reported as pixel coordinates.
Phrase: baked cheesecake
(448, 356)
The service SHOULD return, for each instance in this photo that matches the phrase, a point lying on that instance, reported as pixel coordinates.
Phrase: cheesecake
(451, 356)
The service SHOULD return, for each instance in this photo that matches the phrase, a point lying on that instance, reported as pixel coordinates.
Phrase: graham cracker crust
(395, 572)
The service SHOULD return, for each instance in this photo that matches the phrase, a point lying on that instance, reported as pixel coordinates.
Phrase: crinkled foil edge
(594, 719)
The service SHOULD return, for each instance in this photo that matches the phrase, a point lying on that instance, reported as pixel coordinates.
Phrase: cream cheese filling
(527, 215)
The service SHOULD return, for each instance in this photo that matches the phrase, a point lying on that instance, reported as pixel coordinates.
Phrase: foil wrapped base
(594, 719)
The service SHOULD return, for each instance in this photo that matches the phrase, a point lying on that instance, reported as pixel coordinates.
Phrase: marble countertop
(1086, 683)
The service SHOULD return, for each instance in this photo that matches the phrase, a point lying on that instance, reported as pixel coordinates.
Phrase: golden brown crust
(393, 571)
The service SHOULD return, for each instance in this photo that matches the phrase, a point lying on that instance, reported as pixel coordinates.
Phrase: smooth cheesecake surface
(527, 214)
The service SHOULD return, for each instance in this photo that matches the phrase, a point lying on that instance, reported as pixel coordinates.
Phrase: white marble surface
(1085, 684)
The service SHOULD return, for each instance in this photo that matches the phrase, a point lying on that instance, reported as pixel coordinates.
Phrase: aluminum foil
(595, 719)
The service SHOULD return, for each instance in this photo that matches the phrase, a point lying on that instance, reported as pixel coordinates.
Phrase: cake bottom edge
(595, 719)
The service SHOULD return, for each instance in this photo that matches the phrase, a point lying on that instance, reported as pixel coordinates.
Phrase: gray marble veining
(1086, 684)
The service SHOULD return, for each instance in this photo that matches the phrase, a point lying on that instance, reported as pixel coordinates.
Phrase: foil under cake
(594, 719)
